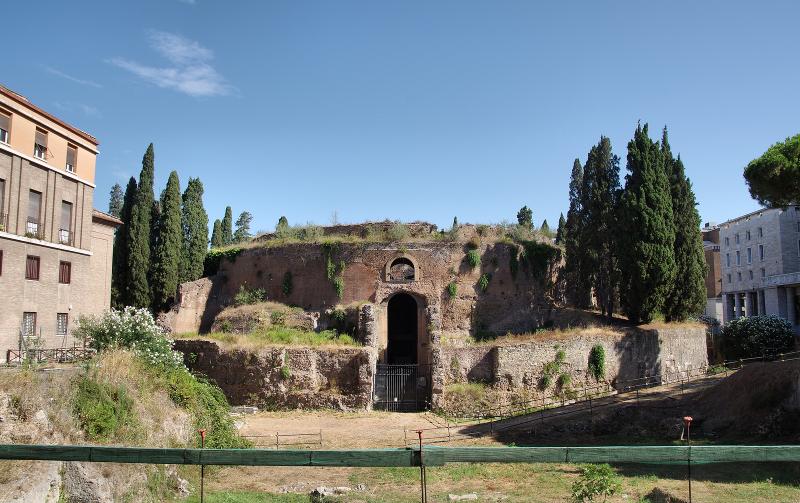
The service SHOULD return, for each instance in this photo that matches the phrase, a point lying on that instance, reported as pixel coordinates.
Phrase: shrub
(215, 256)
(481, 229)
(473, 258)
(452, 289)
(757, 335)
(287, 284)
(597, 362)
(129, 328)
(277, 318)
(103, 411)
(311, 232)
(564, 380)
(246, 296)
(594, 481)
(483, 282)
(286, 372)
(397, 232)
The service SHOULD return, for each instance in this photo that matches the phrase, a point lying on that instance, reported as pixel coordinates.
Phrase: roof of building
(106, 218)
(748, 215)
(25, 101)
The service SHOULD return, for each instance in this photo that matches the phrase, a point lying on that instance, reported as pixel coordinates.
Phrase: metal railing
(49, 355)
(3, 222)
(34, 228)
(65, 237)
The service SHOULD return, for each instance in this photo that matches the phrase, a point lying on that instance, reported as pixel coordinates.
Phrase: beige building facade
(55, 249)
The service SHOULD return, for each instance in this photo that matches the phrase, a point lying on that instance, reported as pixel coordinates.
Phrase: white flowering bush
(129, 328)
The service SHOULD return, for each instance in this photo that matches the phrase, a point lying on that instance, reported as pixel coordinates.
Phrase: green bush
(597, 362)
(286, 372)
(288, 285)
(246, 296)
(277, 318)
(756, 335)
(452, 289)
(129, 328)
(103, 411)
(215, 256)
(397, 232)
(564, 380)
(473, 258)
(483, 282)
(595, 481)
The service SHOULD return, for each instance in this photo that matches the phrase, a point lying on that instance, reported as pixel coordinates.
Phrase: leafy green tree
(120, 295)
(599, 206)
(227, 226)
(578, 286)
(647, 232)
(562, 223)
(242, 233)
(774, 178)
(687, 297)
(216, 234)
(115, 201)
(545, 228)
(525, 217)
(139, 235)
(194, 221)
(169, 248)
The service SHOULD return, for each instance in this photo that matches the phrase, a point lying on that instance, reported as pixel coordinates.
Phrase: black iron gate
(402, 388)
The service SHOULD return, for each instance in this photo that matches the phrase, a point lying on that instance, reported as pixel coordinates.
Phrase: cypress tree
(561, 229)
(194, 221)
(600, 223)
(545, 228)
(120, 295)
(525, 217)
(216, 234)
(139, 233)
(169, 247)
(227, 226)
(578, 292)
(242, 233)
(115, 201)
(647, 232)
(687, 296)
(587, 256)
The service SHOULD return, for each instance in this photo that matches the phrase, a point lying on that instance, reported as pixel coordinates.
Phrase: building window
(738, 258)
(727, 241)
(761, 252)
(65, 231)
(64, 272)
(5, 126)
(40, 144)
(32, 268)
(761, 232)
(729, 278)
(61, 324)
(751, 275)
(72, 158)
(32, 227)
(727, 259)
(737, 238)
(1, 262)
(29, 324)
(739, 276)
(748, 235)
(749, 255)
(3, 215)
(763, 273)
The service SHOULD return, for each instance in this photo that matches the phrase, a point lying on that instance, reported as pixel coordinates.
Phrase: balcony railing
(3, 222)
(34, 229)
(65, 237)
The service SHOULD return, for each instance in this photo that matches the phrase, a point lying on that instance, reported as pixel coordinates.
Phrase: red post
(202, 433)
(687, 421)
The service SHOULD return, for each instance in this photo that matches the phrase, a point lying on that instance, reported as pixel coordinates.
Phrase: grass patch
(104, 411)
(284, 336)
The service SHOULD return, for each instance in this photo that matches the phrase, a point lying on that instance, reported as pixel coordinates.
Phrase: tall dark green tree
(578, 287)
(227, 226)
(168, 250)
(194, 221)
(242, 232)
(120, 295)
(599, 208)
(647, 232)
(115, 201)
(216, 234)
(562, 223)
(139, 232)
(525, 217)
(545, 228)
(688, 293)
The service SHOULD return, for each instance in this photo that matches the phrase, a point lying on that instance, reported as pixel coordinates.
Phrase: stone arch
(384, 319)
(402, 269)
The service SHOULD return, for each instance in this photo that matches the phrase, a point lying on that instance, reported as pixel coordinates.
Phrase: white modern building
(760, 255)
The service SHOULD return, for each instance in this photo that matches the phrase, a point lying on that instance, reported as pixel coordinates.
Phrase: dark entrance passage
(402, 334)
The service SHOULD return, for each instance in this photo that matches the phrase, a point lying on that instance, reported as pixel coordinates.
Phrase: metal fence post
(202, 467)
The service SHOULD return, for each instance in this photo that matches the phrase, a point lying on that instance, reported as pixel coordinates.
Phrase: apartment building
(55, 249)
(760, 255)
(714, 304)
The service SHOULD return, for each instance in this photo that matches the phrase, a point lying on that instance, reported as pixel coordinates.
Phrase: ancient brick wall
(286, 377)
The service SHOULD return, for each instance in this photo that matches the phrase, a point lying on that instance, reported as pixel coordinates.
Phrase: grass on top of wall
(280, 336)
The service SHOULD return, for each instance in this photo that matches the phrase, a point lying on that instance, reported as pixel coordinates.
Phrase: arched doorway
(403, 324)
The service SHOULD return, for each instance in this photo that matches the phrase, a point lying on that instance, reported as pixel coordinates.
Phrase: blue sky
(409, 110)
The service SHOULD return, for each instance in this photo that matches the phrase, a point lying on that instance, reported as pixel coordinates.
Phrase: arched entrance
(401, 348)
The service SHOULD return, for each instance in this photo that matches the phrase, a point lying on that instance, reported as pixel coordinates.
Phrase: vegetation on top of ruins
(215, 256)
(278, 336)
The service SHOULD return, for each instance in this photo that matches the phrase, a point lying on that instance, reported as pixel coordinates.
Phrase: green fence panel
(364, 457)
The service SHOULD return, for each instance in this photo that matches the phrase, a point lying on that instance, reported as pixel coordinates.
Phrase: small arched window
(401, 270)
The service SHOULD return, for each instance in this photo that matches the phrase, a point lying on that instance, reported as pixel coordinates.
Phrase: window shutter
(71, 155)
(41, 138)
